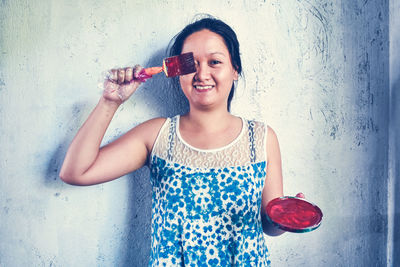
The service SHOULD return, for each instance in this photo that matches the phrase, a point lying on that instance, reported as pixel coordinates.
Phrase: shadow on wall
(160, 94)
(73, 121)
(135, 246)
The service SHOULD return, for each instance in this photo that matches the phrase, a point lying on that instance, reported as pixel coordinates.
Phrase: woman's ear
(235, 75)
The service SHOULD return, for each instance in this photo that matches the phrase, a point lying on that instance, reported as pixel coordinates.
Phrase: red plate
(294, 214)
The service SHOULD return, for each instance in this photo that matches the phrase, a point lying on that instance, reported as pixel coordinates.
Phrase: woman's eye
(215, 62)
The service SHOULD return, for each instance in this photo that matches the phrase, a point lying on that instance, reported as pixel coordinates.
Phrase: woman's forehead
(205, 41)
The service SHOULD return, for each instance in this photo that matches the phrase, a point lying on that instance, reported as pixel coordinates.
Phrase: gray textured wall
(316, 71)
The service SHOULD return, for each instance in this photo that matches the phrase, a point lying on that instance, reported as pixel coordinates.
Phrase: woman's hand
(121, 84)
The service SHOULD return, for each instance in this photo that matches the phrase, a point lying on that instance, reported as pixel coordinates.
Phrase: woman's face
(210, 85)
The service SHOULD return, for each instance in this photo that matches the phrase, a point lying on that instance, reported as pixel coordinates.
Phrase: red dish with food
(294, 214)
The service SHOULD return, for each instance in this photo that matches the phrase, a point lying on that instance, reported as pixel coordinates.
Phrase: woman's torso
(206, 203)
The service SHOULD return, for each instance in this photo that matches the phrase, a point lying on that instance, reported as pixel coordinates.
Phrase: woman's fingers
(121, 83)
(300, 195)
(123, 75)
(112, 75)
(128, 74)
(136, 70)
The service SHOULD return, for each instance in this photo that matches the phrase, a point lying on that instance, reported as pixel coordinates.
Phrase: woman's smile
(203, 88)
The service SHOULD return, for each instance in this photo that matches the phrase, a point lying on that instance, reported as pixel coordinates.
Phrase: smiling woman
(224, 32)
(210, 86)
(210, 173)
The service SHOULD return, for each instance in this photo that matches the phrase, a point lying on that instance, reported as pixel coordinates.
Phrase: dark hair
(219, 27)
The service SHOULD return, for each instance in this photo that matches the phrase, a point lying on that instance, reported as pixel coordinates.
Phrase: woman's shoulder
(151, 127)
(263, 129)
(154, 122)
(147, 131)
(256, 124)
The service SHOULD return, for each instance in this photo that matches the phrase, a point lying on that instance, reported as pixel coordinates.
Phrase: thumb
(300, 195)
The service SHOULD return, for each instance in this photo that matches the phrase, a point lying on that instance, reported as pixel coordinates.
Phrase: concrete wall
(316, 71)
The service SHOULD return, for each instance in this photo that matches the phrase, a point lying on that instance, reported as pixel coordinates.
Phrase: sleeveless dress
(206, 203)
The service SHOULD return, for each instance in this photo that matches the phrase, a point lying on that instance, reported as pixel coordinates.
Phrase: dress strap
(251, 125)
(171, 137)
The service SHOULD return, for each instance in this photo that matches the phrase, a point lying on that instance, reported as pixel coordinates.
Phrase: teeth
(203, 87)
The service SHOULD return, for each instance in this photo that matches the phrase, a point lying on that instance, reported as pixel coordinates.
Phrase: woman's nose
(202, 72)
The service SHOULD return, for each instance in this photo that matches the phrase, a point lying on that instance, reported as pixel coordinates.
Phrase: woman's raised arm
(85, 162)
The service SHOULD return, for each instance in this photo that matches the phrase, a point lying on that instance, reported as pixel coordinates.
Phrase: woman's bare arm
(85, 162)
(273, 186)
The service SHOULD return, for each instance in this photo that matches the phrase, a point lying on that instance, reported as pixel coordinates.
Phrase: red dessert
(294, 214)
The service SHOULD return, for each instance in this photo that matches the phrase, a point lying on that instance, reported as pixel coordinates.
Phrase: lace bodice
(242, 151)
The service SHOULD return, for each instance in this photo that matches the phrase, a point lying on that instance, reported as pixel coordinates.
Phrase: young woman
(212, 173)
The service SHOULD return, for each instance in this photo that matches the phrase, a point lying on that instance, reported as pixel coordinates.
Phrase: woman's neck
(207, 121)
(209, 129)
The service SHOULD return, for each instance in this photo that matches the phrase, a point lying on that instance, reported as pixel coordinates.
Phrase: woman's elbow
(270, 229)
(70, 179)
(273, 231)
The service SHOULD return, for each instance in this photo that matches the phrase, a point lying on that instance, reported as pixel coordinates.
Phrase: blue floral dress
(206, 203)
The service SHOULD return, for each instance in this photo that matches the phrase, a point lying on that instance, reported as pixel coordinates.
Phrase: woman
(209, 170)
